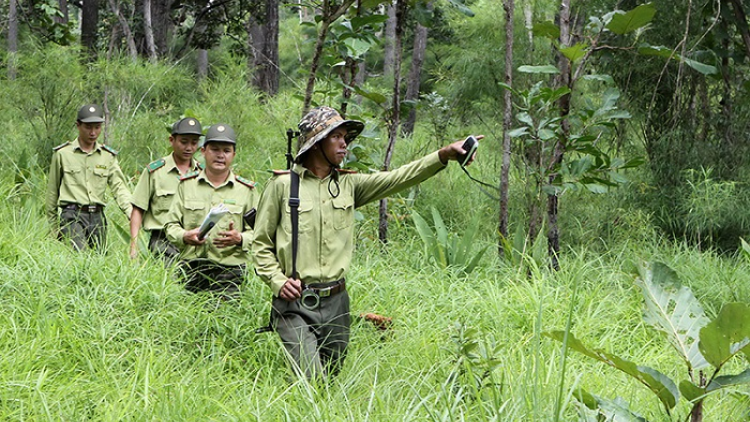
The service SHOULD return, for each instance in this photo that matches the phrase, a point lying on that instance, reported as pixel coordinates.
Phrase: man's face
(219, 155)
(334, 146)
(184, 146)
(88, 132)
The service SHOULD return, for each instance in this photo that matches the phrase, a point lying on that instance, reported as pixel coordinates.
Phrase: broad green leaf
(428, 238)
(372, 96)
(634, 162)
(691, 391)
(656, 50)
(596, 188)
(508, 87)
(546, 69)
(574, 52)
(724, 381)
(727, 334)
(702, 68)
(623, 23)
(672, 309)
(599, 78)
(546, 29)
(360, 21)
(617, 177)
(441, 233)
(617, 410)
(518, 132)
(586, 398)
(664, 388)
(745, 248)
(525, 118)
(357, 47)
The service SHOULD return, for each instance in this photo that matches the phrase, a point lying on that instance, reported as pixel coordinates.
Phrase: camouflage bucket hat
(90, 113)
(220, 132)
(187, 126)
(321, 121)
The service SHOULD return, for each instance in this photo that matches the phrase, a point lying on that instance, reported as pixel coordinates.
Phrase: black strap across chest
(294, 208)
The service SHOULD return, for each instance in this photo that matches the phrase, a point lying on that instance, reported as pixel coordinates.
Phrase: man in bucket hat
(214, 261)
(79, 174)
(153, 194)
(310, 309)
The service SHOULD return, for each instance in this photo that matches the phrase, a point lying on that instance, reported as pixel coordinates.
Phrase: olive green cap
(187, 126)
(220, 132)
(90, 113)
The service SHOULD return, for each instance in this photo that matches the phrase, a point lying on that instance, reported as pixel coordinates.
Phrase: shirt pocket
(195, 212)
(162, 198)
(74, 176)
(305, 215)
(100, 177)
(234, 215)
(343, 212)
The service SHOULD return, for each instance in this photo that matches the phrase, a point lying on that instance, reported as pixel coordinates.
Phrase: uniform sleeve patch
(199, 165)
(110, 150)
(61, 146)
(280, 172)
(246, 182)
(156, 165)
(190, 175)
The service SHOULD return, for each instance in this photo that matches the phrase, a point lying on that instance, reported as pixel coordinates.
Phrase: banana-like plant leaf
(613, 410)
(672, 309)
(727, 334)
(724, 381)
(547, 69)
(428, 238)
(664, 388)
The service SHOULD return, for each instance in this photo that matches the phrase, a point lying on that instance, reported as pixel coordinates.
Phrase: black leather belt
(91, 209)
(328, 289)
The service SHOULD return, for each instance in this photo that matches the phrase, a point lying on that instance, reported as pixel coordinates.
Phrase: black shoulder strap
(294, 208)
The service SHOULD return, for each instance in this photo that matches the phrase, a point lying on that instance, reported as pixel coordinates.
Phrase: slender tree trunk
(202, 63)
(741, 21)
(132, 50)
(148, 30)
(509, 7)
(12, 38)
(89, 23)
(528, 14)
(553, 235)
(415, 72)
(394, 120)
(63, 6)
(264, 48)
(161, 25)
(389, 49)
(328, 17)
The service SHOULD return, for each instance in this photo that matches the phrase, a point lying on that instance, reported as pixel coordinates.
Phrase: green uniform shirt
(155, 190)
(193, 200)
(79, 177)
(326, 224)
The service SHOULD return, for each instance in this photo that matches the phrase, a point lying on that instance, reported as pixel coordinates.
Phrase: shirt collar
(230, 180)
(171, 164)
(77, 146)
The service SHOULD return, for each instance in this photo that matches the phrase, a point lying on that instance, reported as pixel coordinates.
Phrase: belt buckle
(325, 292)
(91, 208)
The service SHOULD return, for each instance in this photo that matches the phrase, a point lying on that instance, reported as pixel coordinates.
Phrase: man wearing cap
(310, 309)
(158, 183)
(78, 178)
(216, 262)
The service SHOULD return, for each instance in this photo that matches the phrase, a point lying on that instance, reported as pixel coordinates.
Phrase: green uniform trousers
(83, 228)
(161, 247)
(203, 275)
(316, 339)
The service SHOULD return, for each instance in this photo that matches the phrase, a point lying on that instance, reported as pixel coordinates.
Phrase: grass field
(95, 336)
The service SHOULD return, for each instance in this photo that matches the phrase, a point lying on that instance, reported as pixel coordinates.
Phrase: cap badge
(191, 122)
(220, 128)
(92, 109)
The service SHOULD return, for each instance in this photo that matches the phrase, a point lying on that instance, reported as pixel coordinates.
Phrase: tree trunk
(264, 48)
(148, 30)
(12, 38)
(132, 51)
(414, 78)
(528, 14)
(389, 49)
(202, 63)
(741, 22)
(563, 79)
(394, 120)
(89, 24)
(63, 6)
(509, 7)
(328, 17)
(161, 25)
